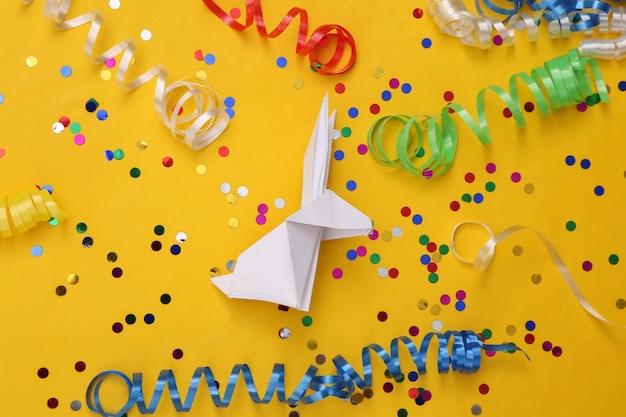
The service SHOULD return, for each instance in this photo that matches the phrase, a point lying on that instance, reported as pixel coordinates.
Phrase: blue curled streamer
(555, 9)
(462, 355)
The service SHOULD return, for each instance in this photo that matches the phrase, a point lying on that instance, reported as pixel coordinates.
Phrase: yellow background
(266, 139)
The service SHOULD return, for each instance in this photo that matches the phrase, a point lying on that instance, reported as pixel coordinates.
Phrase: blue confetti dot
(351, 255)
(48, 188)
(209, 59)
(478, 198)
(102, 115)
(419, 400)
(530, 325)
(460, 306)
(353, 112)
(66, 71)
(386, 95)
(148, 318)
(406, 88)
(599, 190)
(1, 99)
(412, 376)
(109, 155)
(36, 250)
(425, 259)
(281, 62)
(570, 160)
(351, 185)
(427, 43)
(229, 102)
(621, 86)
(175, 249)
(585, 164)
(338, 155)
(417, 219)
(230, 112)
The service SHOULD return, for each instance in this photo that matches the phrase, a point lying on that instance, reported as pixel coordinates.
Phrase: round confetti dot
(165, 298)
(353, 112)
(80, 366)
(455, 206)
(433, 278)
(79, 139)
(337, 273)
(130, 319)
(298, 83)
(476, 410)
(530, 325)
(620, 303)
(75, 405)
(383, 272)
(375, 258)
(361, 149)
(340, 88)
(105, 74)
(386, 95)
(467, 198)
(111, 256)
(587, 266)
(281, 62)
(351, 185)
(148, 318)
(497, 40)
(175, 249)
(31, 61)
(374, 108)
(159, 230)
(516, 177)
(177, 354)
(483, 389)
(406, 88)
(261, 219)
(346, 132)
(167, 161)
(60, 290)
(102, 115)
(110, 63)
(233, 222)
(201, 169)
(405, 211)
(517, 250)
(621, 86)
(598, 190)
(279, 203)
(145, 35)
(135, 172)
(570, 160)
(382, 316)
(117, 327)
(117, 272)
(459, 306)
(511, 330)
(114, 4)
(427, 43)
(229, 101)
(351, 255)
(396, 231)
(75, 127)
(529, 188)
(490, 168)
(242, 191)
(209, 59)
(585, 163)
(613, 259)
(486, 333)
(490, 187)
(201, 74)
(444, 299)
(507, 113)
(448, 96)
(437, 325)
(469, 178)
(581, 107)
(66, 71)
(307, 321)
(393, 273)
(546, 346)
(414, 331)
(338, 155)
(118, 154)
(81, 227)
(529, 107)
(284, 333)
(36, 251)
(460, 295)
(57, 127)
(570, 226)
(529, 339)
(72, 279)
(223, 151)
(557, 351)
(478, 198)
(535, 278)
(53, 403)
(43, 373)
(1, 98)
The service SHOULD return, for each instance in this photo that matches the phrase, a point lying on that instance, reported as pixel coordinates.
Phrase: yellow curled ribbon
(20, 212)
(487, 251)
(208, 118)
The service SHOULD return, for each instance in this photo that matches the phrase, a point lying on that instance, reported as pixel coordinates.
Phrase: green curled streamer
(561, 82)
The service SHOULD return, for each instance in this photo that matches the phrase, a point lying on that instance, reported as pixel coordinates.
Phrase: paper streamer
(304, 47)
(565, 79)
(20, 212)
(207, 119)
(465, 358)
(487, 251)
(563, 17)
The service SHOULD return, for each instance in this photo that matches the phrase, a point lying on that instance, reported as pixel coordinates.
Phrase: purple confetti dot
(460, 295)
(516, 177)
(394, 83)
(581, 107)
(337, 273)
(177, 353)
(361, 149)
(117, 272)
(117, 327)
(547, 346)
(373, 234)
(491, 167)
(445, 299)
(497, 40)
(587, 265)
(490, 353)
(557, 351)
(414, 330)
(262, 209)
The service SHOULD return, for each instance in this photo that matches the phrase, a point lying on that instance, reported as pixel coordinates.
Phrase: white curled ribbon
(477, 30)
(487, 251)
(207, 119)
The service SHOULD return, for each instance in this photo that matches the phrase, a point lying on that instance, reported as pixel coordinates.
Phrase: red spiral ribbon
(304, 47)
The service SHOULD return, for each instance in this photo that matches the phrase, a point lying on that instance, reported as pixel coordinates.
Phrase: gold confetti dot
(233, 222)
(620, 303)
(142, 145)
(31, 61)
(386, 236)
(529, 188)
(436, 257)
(215, 272)
(368, 393)
(201, 75)
(312, 344)
(435, 309)
(535, 278)
(72, 279)
(378, 72)
(510, 330)
(517, 250)
(422, 304)
(201, 169)
(232, 198)
(105, 74)
(298, 83)
(356, 398)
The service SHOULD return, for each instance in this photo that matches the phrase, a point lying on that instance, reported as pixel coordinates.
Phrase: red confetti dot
(448, 96)
(432, 267)
(405, 211)
(387, 387)
(393, 273)
(418, 13)
(414, 393)
(431, 247)
(42, 373)
(426, 395)
(529, 338)
(455, 206)
(414, 331)
(469, 178)
(507, 113)
(168, 161)
(528, 106)
(323, 43)
(65, 121)
(223, 151)
(382, 316)
(80, 366)
(235, 13)
(53, 403)
(483, 389)
(374, 108)
(557, 351)
(340, 88)
(450, 110)
(198, 55)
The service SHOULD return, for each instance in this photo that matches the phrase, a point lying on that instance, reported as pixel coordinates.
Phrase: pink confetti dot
(110, 63)
(516, 177)
(581, 107)
(490, 353)
(262, 208)
(79, 139)
(373, 234)
(394, 83)
(340, 88)
(337, 273)
(445, 299)
(235, 13)
(261, 219)
(2, 153)
(491, 167)
(361, 251)
(361, 149)
(497, 40)
(587, 265)
(460, 295)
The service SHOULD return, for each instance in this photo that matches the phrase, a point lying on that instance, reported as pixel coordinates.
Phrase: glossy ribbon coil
(565, 80)
(458, 350)
(207, 119)
(563, 17)
(487, 251)
(336, 64)
(20, 212)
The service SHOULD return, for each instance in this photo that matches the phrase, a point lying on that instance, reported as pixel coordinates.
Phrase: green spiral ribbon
(562, 81)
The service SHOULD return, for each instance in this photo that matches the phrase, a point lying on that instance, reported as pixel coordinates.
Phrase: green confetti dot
(374, 258)
(400, 378)
(135, 172)
(118, 154)
(346, 132)
(467, 198)
(570, 226)
(420, 152)
(53, 221)
(81, 227)
(166, 299)
(424, 239)
(486, 334)
(433, 278)
(402, 412)
(159, 230)
(130, 319)
(444, 249)
(613, 259)
(75, 127)
(307, 321)
(490, 187)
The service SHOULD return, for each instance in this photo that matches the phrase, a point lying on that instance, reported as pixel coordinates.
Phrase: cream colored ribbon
(487, 251)
(207, 119)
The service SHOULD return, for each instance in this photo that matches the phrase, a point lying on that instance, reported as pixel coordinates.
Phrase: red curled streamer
(303, 47)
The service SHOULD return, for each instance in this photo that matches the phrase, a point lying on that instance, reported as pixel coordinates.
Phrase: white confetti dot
(146, 35)
(383, 272)
(114, 4)
(181, 237)
(57, 127)
(242, 191)
(336, 134)
(279, 203)
(225, 188)
(437, 325)
(396, 231)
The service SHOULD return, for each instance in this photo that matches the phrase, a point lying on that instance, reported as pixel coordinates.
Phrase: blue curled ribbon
(556, 9)
(465, 357)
